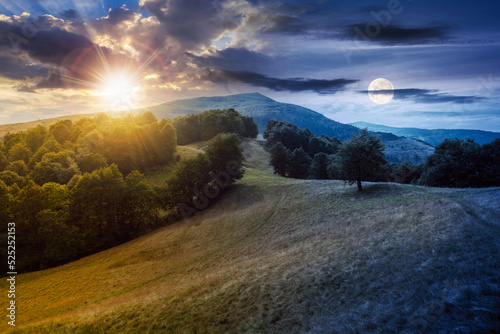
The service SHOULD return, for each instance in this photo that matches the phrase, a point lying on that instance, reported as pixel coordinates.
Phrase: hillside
(399, 149)
(433, 137)
(261, 108)
(16, 127)
(280, 255)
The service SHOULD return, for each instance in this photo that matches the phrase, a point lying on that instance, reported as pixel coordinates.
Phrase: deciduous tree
(280, 157)
(359, 158)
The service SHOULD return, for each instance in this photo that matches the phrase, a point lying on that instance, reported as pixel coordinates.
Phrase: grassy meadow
(277, 255)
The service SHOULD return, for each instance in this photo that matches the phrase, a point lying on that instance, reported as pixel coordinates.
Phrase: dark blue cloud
(235, 59)
(426, 96)
(69, 14)
(119, 15)
(392, 34)
(292, 85)
(47, 46)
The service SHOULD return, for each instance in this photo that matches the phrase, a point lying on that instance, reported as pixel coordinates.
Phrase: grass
(276, 255)
(157, 176)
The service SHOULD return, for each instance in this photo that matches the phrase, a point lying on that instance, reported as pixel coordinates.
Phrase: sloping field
(276, 255)
(16, 127)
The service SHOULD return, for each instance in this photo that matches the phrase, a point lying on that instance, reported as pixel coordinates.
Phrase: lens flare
(119, 90)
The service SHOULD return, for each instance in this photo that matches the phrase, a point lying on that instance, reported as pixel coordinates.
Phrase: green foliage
(140, 203)
(319, 167)
(135, 147)
(96, 207)
(46, 171)
(188, 128)
(4, 162)
(69, 202)
(204, 177)
(4, 202)
(147, 118)
(60, 241)
(91, 162)
(208, 124)
(190, 174)
(292, 137)
(490, 160)
(251, 129)
(280, 157)
(19, 151)
(55, 167)
(298, 166)
(19, 167)
(10, 178)
(224, 149)
(51, 145)
(11, 139)
(167, 141)
(108, 209)
(359, 158)
(62, 131)
(41, 216)
(459, 163)
(288, 134)
(36, 137)
(322, 144)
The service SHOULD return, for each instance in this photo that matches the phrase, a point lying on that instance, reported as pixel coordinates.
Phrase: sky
(86, 56)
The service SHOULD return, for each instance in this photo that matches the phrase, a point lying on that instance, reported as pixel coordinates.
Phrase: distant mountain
(261, 108)
(433, 137)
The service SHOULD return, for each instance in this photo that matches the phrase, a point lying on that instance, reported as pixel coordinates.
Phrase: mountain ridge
(261, 108)
(432, 136)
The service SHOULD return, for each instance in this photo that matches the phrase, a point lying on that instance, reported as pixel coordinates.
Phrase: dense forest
(297, 153)
(203, 126)
(76, 188)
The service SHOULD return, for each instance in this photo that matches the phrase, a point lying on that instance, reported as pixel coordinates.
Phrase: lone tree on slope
(359, 158)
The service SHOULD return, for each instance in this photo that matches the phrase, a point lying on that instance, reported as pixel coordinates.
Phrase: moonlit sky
(85, 56)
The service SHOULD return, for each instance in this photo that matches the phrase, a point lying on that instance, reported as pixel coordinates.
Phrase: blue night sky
(68, 57)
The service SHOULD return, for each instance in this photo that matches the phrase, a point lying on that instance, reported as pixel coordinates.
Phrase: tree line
(454, 163)
(206, 125)
(77, 188)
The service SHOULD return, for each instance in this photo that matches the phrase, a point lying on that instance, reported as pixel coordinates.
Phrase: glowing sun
(381, 91)
(119, 90)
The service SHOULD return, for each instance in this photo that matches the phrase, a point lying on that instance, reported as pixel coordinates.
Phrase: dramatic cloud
(119, 15)
(427, 96)
(18, 69)
(292, 85)
(193, 23)
(46, 46)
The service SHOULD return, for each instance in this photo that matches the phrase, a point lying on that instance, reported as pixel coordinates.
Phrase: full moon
(383, 85)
